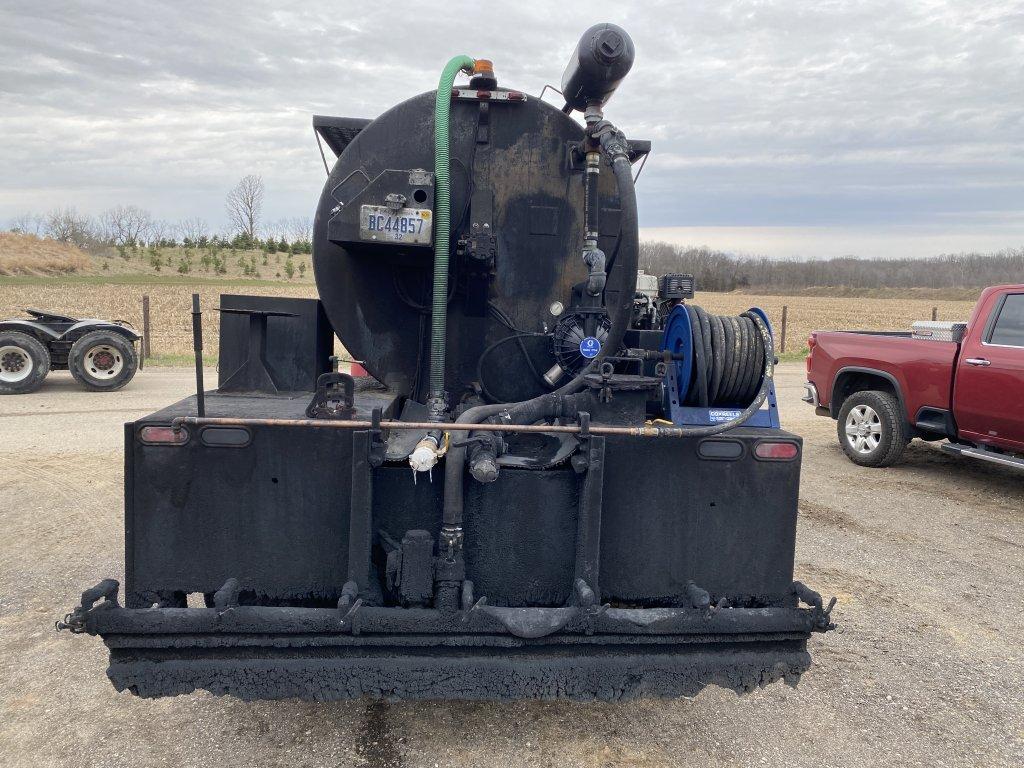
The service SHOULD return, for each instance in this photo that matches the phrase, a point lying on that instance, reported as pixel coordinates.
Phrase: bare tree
(245, 205)
(27, 224)
(126, 224)
(193, 230)
(300, 229)
(718, 271)
(68, 226)
(159, 231)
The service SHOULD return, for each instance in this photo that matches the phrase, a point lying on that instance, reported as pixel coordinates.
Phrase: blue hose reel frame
(678, 338)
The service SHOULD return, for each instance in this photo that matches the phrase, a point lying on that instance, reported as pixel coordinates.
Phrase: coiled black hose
(728, 359)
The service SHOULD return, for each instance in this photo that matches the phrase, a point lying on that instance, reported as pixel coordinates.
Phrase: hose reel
(721, 359)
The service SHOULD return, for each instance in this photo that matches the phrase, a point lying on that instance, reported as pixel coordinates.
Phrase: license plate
(390, 225)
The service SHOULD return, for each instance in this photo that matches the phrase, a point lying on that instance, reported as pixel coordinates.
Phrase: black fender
(834, 406)
(82, 327)
(39, 330)
(46, 332)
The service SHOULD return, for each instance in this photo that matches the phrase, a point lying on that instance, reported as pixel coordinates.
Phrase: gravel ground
(927, 560)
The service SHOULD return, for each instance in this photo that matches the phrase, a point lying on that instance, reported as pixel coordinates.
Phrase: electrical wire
(518, 338)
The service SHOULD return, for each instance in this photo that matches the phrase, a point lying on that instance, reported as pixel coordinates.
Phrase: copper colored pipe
(192, 421)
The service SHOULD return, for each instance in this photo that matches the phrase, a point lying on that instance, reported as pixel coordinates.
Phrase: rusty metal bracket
(377, 444)
(334, 397)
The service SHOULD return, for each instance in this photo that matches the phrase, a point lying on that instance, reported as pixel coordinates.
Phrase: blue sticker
(590, 347)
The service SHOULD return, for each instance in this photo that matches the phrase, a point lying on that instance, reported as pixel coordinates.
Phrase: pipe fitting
(483, 457)
(425, 455)
(595, 259)
(484, 469)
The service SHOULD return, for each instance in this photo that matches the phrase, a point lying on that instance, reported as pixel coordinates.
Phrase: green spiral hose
(442, 220)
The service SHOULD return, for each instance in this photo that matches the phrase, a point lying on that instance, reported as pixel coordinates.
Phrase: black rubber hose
(728, 359)
(518, 338)
(550, 405)
(709, 351)
(768, 373)
(699, 382)
(717, 340)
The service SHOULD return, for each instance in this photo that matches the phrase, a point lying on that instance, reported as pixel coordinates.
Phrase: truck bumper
(256, 652)
(811, 396)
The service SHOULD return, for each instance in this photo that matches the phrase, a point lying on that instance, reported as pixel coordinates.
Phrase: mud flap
(605, 673)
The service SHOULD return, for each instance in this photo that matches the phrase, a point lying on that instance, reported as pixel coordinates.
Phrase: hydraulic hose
(728, 359)
(442, 221)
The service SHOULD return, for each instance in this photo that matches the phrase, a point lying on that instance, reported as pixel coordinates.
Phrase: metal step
(984, 454)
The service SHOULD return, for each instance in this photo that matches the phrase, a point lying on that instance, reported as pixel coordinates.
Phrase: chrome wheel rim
(15, 364)
(102, 362)
(863, 429)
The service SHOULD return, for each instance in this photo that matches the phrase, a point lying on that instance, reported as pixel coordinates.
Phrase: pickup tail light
(770, 450)
(812, 342)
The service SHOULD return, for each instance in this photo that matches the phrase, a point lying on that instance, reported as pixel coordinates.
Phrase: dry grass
(31, 255)
(835, 313)
(170, 307)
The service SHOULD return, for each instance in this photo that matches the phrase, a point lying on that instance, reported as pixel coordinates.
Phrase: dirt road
(927, 560)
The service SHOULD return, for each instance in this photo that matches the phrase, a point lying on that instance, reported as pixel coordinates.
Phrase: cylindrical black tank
(603, 57)
(513, 175)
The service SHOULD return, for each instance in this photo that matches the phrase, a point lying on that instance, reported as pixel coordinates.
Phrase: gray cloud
(762, 113)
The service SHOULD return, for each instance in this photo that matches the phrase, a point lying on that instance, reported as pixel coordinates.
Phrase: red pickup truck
(959, 382)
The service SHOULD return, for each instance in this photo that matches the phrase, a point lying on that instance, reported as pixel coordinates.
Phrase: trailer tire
(871, 429)
(24, 363)
(103, 361)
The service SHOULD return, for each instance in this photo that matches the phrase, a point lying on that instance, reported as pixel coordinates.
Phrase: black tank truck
(551, 485)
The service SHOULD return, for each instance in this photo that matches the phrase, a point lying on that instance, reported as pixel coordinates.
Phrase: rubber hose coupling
(613, 141)
(484, 469)
(483, 459)
(424, 455)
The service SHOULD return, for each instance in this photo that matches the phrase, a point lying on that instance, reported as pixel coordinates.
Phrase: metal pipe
(569, 429)
(197, 346)
(485, 411)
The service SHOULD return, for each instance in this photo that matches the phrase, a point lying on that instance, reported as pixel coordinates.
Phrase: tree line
(130, 227)
(718, 271)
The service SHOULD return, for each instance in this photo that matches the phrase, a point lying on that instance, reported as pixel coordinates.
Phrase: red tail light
(772, 451)
(163, 435)
(812, 342)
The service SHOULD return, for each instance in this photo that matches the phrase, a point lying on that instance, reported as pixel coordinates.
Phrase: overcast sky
(778, 127)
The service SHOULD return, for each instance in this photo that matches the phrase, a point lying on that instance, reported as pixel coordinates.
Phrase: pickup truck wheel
(871, 429)
(24, 363)
(103, 361)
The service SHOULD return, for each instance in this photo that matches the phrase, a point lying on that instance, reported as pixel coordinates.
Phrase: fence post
(782, 336)
(146, 350)
(935, 313)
